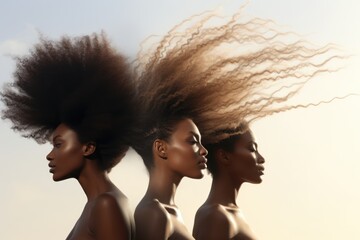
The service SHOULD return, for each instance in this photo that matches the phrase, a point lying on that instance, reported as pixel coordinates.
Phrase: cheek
(243, 162)
(178, 155)
(195, 148)
(72, 151)
(251, 159)
(181, 154)
(250, 162)
(183, 149)
(71, 154)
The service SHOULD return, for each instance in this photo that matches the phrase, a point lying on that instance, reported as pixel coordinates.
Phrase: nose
(260, 158)
(203, 150)
(50, 157)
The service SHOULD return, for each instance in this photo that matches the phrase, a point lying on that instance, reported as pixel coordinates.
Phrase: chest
(82, 229)
(239, 228)
(178, 230)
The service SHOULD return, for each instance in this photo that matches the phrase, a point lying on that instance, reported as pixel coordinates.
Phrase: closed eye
(57, 145)
(253, 147)
(193, 141)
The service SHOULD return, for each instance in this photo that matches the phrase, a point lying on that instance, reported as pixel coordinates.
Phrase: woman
(176, 155)
(168, 141)
(222, 75)
(233, 161)
(246, 69)
(76, 93)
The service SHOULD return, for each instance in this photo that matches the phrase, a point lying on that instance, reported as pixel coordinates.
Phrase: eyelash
(253, 149)
(193, 140)
(57, 145)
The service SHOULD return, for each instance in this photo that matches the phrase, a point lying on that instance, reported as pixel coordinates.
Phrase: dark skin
(220, 217)
(106, 214)
(157, 216)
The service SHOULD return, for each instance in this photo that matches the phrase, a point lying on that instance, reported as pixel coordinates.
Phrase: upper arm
(152, 222)
(109, 219)
(211, 225)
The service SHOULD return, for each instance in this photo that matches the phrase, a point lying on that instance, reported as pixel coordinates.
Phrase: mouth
(261, 169)
(52, 168)
(202, 163)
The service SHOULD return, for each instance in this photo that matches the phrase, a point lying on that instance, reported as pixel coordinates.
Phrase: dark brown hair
(81, 82)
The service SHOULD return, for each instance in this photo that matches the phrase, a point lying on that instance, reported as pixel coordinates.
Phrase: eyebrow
(54, 138)
(253, 142)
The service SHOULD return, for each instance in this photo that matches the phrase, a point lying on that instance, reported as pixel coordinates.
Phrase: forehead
(63, 130)
(186, 126)
(246, 138)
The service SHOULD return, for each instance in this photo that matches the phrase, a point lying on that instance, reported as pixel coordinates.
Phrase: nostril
(48, 157)
(205, 152)
(260, 158)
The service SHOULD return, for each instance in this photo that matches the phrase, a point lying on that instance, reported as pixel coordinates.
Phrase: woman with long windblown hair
(169, 143)
(223, 77)
(247, 69)
(77, 94)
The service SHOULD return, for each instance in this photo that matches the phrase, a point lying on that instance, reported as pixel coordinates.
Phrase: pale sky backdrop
(311, 184)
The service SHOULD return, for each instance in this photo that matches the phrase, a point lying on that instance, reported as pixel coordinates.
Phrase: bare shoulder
(152, 209)
(108, 199)
(212, 212)
(110, 216)
(152, 220)
(110, 202)
(211, 222)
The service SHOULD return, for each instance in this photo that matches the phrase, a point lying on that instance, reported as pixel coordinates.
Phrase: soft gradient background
(311, 184)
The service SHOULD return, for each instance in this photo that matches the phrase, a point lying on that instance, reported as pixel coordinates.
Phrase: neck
(162, 185)
(223, 190)
(94, 181)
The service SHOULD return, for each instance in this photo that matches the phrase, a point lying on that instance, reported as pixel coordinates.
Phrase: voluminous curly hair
(82, 82)
(225, 73)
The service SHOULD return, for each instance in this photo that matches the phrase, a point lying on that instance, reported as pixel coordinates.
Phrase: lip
(52, 168)
(202, 163)
(261, 169)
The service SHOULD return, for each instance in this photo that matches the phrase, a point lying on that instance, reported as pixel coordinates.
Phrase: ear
(160, 148)
(89, 148)
(222, 156)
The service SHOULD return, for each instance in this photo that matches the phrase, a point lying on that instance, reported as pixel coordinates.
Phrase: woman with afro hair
(220, 76)
(77, 94)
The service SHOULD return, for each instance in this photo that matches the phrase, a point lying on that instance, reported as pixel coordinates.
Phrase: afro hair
(82, 82)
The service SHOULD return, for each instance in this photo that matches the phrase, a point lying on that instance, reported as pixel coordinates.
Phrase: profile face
(66, 158)
(185, 153)
(246, 163)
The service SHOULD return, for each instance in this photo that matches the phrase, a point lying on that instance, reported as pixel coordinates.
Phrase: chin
(55, 179)
(254, 180)
(257, 181)
(58, 178)
(197, 176)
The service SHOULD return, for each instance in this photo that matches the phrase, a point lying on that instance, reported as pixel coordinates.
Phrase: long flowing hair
(224, 73)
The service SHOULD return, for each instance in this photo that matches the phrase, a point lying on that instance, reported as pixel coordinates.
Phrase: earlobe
(160, 148)
(89, 148)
